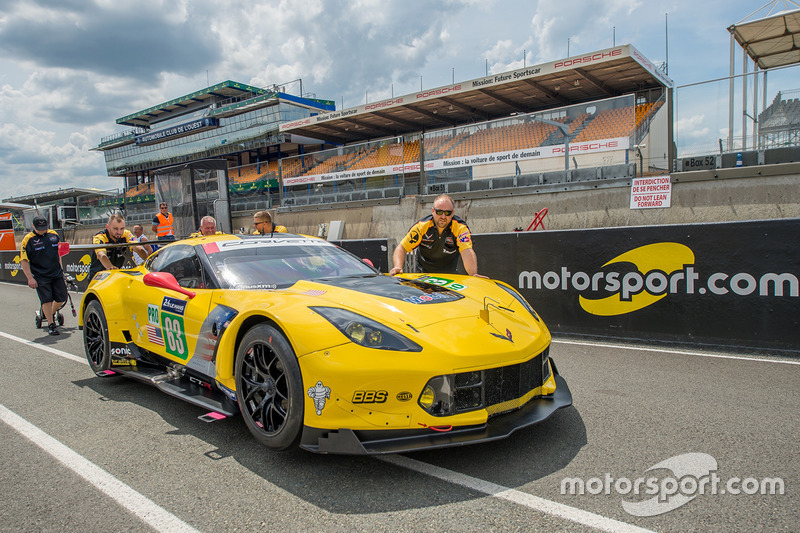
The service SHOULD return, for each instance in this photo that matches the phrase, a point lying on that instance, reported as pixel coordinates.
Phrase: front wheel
(95, 337)
(269, 388)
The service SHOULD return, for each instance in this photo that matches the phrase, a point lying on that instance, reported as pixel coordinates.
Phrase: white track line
(679, 352)
(42, 347)
(536, 503)
(141, 506)
(566, 512)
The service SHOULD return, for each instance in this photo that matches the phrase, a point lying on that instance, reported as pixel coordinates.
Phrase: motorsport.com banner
(733, 284)
(724, 284)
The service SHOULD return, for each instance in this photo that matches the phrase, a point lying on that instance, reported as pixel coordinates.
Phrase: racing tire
(269, 388)
(95, 337)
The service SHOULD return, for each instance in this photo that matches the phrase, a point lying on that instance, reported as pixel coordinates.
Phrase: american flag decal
(154, 335)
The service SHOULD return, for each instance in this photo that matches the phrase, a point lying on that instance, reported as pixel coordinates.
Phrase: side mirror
(165, 280)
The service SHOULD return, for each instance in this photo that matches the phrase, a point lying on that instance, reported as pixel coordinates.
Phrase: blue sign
(194, 126)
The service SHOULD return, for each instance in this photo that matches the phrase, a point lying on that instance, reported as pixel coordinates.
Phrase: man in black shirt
(42, 266)
(439, 239)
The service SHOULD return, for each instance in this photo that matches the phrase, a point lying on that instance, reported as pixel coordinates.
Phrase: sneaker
(53, 330)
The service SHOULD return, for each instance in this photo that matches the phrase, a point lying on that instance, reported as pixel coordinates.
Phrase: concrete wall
(723, 195)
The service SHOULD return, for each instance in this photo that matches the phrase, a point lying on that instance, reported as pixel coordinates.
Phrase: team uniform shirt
(437, 252)
(115, 255)
(41, 252)
(198, 233)
(276, 229)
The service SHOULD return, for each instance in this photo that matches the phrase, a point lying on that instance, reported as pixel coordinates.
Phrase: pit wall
(722, 195)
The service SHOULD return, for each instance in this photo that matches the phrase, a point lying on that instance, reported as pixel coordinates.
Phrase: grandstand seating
(612, 123)
(606, 124)
(142, 189)
(252, 173)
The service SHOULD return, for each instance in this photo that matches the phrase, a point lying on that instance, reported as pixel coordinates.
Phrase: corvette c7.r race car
(317, 349)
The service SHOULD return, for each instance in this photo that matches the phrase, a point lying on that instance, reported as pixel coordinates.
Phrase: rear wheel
(95, 337)
(269, 388)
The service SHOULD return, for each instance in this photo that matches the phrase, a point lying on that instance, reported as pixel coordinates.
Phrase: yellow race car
(317, 349)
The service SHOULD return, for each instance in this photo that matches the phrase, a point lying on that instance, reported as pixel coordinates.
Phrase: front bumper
(349, 442)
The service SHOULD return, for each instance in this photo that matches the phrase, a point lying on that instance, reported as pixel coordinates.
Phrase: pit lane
(633, 408)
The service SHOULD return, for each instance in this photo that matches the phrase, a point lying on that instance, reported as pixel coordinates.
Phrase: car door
(168, 322)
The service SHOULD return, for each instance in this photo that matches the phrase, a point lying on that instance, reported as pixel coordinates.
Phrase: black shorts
(51, 290)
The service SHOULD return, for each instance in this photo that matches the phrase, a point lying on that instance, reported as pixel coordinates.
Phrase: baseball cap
(40, 222)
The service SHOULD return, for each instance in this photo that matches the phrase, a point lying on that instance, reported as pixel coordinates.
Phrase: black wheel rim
(265, 388)
(94, 339)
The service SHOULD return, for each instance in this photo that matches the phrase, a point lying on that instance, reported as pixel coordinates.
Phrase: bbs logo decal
(370, 396)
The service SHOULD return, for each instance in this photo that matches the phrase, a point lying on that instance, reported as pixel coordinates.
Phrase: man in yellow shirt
(208, 226)
(263, 224)
(111, 258)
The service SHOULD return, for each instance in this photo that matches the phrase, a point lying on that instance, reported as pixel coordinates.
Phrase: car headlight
(518, 297)
(366, 332)
(437, 396)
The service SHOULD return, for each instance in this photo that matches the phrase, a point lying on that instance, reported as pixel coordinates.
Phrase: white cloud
(69, 68)
(692, 127)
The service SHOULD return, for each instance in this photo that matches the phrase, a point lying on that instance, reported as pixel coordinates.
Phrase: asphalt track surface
(81, 453)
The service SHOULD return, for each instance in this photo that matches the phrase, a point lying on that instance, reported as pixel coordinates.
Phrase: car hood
(428, 312)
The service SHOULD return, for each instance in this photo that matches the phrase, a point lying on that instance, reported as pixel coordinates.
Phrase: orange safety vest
(164, 227)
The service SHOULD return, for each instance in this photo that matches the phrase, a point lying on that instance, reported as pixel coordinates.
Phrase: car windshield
(274, 264)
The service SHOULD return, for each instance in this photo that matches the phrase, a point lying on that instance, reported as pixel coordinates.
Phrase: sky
(70, 68)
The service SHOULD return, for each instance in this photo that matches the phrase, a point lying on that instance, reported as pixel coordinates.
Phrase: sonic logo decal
(319, 393)
(655, 264)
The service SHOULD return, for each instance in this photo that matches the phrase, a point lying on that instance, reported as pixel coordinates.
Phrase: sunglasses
(445, 212)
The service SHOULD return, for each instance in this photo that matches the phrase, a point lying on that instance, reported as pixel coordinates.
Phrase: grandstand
(278, 136)
(598, 117)
(779, 124)
(504, 129)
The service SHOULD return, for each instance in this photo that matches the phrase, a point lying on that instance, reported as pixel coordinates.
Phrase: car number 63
(174, 335)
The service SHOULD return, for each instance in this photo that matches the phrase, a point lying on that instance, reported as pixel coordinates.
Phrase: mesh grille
(493, 386)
